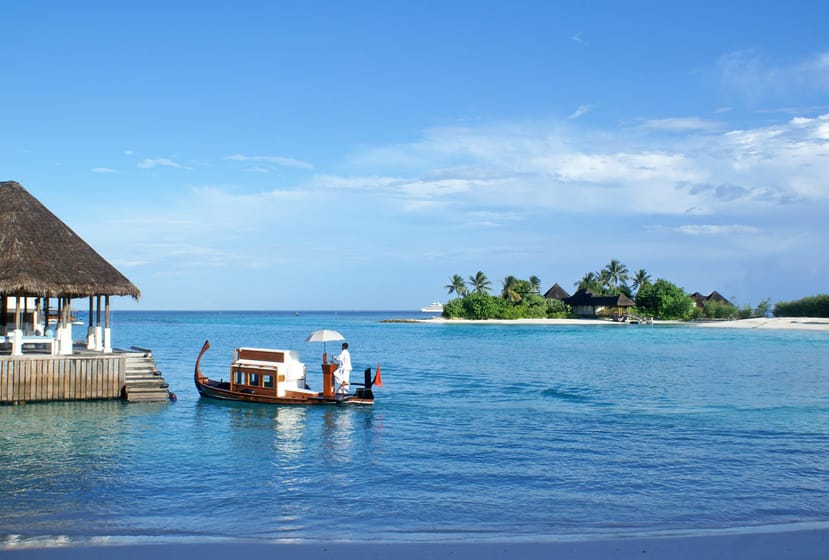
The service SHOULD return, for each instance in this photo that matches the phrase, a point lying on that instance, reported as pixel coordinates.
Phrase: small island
(612, 294)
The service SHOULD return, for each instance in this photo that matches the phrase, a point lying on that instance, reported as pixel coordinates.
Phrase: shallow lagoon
(482, 432)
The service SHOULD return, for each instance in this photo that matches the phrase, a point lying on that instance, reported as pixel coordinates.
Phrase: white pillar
(107, 332)
(90, 330)
(17, 342)
(65, 329)
(17, 333)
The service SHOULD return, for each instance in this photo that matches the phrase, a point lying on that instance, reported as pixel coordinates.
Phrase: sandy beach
(787, 323)
(810, 544)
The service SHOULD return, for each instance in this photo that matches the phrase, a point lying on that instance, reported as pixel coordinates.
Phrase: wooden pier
(124, 374)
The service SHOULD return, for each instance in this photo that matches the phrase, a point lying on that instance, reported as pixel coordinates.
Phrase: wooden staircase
(143, 381)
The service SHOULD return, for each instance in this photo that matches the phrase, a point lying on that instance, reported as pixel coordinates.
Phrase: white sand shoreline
(804, 544)
(787, 323)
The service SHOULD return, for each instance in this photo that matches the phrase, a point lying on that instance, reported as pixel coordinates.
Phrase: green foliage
(762, 308)
(664, 300)
(456, 285)
(480, 306)
(453, 309)
(812, 306)
(485, 306)
(479, 283)
(557, 309)
(719, 310)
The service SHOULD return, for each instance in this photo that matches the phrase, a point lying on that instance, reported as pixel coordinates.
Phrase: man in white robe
(343, 372)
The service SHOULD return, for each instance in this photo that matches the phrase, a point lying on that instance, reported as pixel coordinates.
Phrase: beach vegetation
(611, 280)
(640, 278)
(479, 283)
(616, 274)
(812, 306)
(664, 300)
(457, 286)
(718, 310)
(518, 299)
(535, 284)
(485, 306)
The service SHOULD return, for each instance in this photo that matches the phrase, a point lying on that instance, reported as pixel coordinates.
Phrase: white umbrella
(324, 335)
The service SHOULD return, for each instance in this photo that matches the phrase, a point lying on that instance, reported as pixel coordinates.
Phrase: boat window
(267, 380)
(239, 378)
(254, 379)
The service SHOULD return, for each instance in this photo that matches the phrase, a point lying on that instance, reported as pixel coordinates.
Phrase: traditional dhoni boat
(260, 375)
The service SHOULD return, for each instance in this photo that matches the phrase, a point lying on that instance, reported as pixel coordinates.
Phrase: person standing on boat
(343, 373)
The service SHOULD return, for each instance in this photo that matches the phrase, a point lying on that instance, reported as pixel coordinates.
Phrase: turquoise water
(481, 432)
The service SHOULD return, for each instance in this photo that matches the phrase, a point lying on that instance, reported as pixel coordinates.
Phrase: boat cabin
(259, 371)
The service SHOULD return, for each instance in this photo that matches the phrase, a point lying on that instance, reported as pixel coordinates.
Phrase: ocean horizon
(480, 433)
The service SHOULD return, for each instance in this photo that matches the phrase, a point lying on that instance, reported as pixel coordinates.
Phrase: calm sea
(481, 433)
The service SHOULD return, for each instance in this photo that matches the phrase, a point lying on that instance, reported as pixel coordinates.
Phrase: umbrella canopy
(324, 335)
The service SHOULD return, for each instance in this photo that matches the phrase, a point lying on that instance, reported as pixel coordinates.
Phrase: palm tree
(535, 284)
(617, 273)
(510, 291)
(457, 285)
(640, 279)
(480, 283)
(589, 282)
(604, 280)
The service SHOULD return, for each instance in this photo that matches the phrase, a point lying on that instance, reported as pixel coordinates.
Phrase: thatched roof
(586, 297)
(556, 292)
(41, 256)
(701, 300)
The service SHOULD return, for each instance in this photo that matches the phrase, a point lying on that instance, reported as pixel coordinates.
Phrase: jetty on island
(44, 266)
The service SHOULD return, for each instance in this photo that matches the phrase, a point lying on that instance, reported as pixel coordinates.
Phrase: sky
(356, 155)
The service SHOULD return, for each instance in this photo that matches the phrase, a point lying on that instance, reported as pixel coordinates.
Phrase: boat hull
(215, 390)
(223, 390)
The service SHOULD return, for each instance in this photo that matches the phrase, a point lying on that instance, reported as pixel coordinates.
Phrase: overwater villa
(44, 266)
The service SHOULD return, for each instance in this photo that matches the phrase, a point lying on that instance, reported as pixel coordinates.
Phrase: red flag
(378, 381)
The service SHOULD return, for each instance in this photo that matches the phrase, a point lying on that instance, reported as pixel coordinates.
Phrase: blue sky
(356, 155)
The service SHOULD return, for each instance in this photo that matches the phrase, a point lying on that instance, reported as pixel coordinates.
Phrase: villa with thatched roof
(587, 304)
(42, 261)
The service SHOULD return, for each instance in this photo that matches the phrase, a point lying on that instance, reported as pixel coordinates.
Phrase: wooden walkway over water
(85, 375)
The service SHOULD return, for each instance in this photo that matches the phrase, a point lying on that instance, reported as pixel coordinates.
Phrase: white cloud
(757, 77)
(579, 38)
(717, 230)
(698, 169)
(275, 160)
(581, 110)
(161, 162)
(129, 152)
(680, 124)
(103, 170)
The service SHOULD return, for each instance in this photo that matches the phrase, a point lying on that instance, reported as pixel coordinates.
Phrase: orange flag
(378, 381)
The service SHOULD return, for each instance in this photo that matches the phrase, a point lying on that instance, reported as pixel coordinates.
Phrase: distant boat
(434, 307)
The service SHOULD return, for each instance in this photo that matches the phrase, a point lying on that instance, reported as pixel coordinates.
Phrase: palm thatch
(556, 292)
(42, 256)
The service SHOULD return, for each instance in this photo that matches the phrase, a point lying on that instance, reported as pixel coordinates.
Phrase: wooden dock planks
(60, 378)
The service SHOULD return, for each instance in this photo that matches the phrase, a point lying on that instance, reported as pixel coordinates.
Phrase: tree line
(519, 298)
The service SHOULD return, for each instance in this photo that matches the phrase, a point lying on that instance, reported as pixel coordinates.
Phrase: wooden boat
(260, 375)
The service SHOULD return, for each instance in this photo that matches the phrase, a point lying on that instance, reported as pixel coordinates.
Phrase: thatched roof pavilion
(41, 256)
(556, 292)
